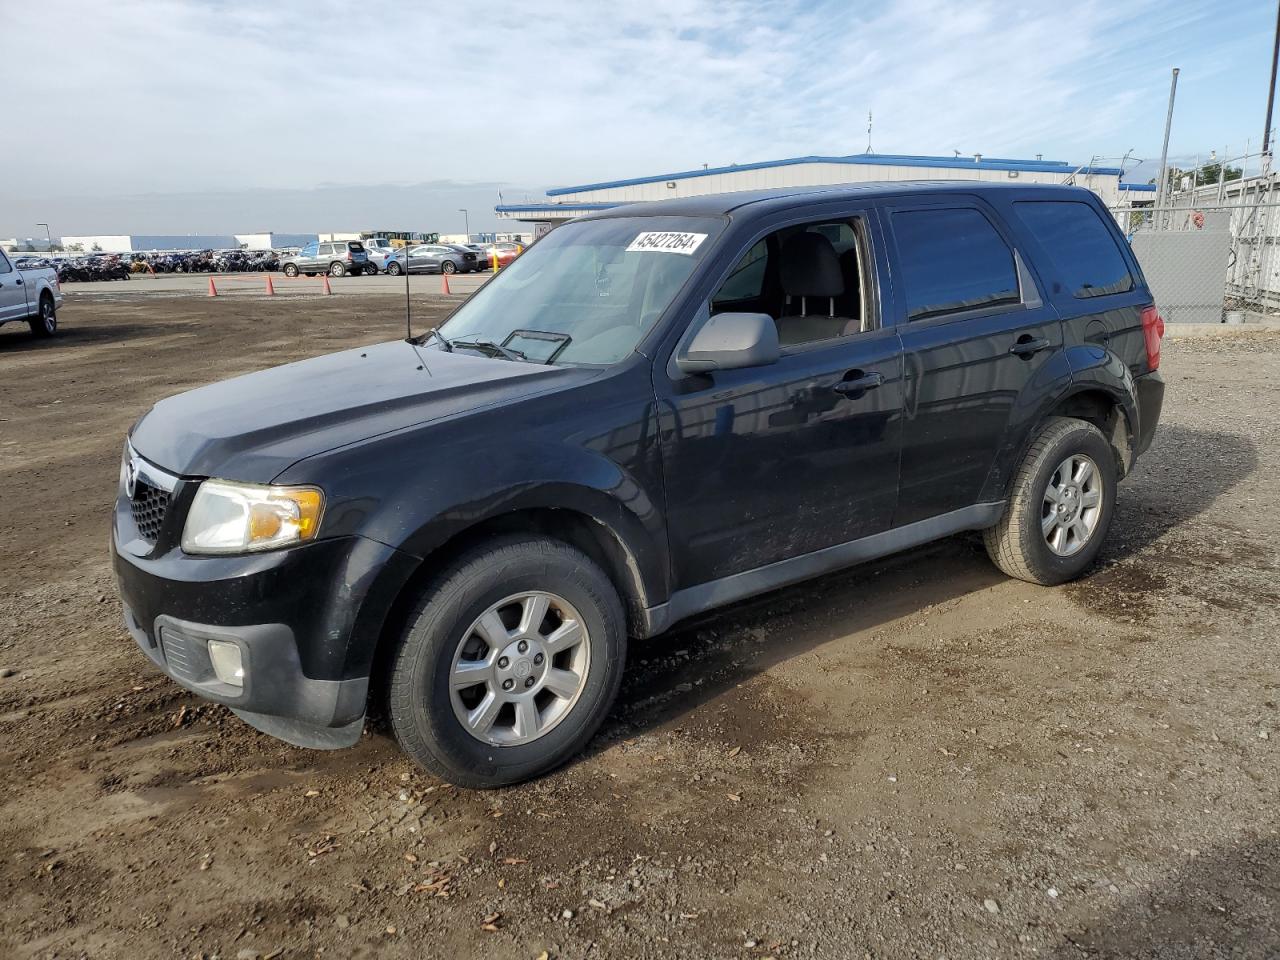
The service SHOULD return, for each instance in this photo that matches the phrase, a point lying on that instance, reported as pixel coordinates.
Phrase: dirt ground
(914, 758)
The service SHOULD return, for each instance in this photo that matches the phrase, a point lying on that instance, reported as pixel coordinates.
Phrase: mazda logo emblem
(130, 477)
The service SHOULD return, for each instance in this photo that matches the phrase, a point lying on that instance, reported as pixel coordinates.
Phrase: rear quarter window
(952, 260)
(1083, 249)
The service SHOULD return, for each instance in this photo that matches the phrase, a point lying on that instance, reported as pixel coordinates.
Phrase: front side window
(1080, 245)
(811, 279)
(951, 261)
(588, 291)
(4, 264)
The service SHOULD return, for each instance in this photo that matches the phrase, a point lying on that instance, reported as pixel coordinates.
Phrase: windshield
(587, 291)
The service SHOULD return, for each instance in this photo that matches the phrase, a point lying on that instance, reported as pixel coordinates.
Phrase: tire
(337, 269)
(45, 322)
(427, 713)
(1049, 534)
(290, 269)
(371, 270)
(448, 267)
(393, 268)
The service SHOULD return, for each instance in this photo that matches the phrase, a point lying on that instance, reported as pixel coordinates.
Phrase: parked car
(336, 258)
(432, 258)
(507, 251)
(483, 259)
(657, 410)
(30, 294)
(379, 251)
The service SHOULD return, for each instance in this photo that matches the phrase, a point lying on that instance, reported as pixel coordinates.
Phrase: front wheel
(393, 268)
(509, 663)
(290, 270)
(1060, 506)
(45, 322)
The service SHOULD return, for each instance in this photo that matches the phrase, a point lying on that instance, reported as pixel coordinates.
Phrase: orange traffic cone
(444, 284)
(213, 291)
(271, 290)
(328, 290)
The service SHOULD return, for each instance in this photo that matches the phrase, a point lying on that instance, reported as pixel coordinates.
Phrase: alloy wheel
(1072, 505)
(519, 669)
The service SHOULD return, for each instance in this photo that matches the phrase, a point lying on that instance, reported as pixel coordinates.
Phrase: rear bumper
(1149, 390)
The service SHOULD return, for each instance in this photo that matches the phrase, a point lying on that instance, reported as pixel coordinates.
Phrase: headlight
(230, 517)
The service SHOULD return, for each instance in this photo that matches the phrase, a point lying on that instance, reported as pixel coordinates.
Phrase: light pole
(47, 236)
(466, 218)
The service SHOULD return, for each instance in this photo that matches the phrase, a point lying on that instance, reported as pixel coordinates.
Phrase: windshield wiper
(493, 349)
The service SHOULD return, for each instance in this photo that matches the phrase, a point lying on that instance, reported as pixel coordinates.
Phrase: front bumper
(306, 619)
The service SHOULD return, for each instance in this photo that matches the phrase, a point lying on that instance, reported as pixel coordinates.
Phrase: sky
(164, 116)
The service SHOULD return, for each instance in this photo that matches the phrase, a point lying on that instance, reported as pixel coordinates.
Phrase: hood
(251, 428)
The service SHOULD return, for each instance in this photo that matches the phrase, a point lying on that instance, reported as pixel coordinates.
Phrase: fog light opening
(227, 664)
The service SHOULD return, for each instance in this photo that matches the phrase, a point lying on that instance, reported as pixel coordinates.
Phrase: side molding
(716, 593)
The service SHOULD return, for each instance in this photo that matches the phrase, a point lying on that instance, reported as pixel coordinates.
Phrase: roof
(551, 207)
(1139, 187)
(860, 159)
(722, 204)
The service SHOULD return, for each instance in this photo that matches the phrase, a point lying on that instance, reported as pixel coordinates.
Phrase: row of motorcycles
(122, 266)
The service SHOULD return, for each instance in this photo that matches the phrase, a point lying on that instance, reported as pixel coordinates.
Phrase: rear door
(13, 296)
(976, 332)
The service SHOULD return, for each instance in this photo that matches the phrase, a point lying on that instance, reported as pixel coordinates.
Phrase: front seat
(811, 279)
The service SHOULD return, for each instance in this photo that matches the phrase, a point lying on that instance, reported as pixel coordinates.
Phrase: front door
(975, 332)
(13, 294)
(770, 463)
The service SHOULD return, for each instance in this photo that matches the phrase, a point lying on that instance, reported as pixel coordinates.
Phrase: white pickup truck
(30, 295)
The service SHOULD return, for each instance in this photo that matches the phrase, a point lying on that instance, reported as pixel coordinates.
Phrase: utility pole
(1271, 90)
(1164, 151)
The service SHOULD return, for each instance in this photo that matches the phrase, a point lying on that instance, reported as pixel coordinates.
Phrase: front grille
(149, 505)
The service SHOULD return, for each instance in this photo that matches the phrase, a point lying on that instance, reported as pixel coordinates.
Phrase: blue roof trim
(860, 159)
(1139, 187)
(551, 207)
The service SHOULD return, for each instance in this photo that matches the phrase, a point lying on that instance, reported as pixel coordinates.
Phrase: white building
(274, 241)
(142, 243)
(564, 203)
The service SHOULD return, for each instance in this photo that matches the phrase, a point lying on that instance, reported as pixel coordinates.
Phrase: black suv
(654, 411)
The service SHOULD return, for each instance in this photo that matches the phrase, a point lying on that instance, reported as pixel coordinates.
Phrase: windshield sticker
(662, 242)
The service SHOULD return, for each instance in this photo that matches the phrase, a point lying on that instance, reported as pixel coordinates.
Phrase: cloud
(134, 97)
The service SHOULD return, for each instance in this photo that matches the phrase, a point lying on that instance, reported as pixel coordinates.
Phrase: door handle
(858, 383)
(1028, 346)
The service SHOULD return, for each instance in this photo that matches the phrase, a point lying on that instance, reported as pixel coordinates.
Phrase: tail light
(1152, 332)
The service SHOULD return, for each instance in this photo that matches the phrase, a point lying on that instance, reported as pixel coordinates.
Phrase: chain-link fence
(1208, 263)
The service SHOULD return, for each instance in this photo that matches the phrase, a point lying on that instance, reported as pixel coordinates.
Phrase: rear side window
(1082, 248)
(951, 261)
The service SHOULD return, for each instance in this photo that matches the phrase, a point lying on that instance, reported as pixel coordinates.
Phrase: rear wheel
(337, 270)
(1061, 504)
(448, 267)
(45, 322)
(370, 270)
(509, 663)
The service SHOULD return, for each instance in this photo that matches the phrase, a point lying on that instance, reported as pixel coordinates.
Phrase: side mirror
(731, 341)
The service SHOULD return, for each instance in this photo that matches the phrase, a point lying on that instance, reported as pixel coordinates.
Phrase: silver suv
(336, 258)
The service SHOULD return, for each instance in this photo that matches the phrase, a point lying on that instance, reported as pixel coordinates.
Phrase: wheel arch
(618, 554)
(1100, 391)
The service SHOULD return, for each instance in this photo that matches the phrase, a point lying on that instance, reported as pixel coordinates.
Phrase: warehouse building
(564, 203)
(147, 243)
